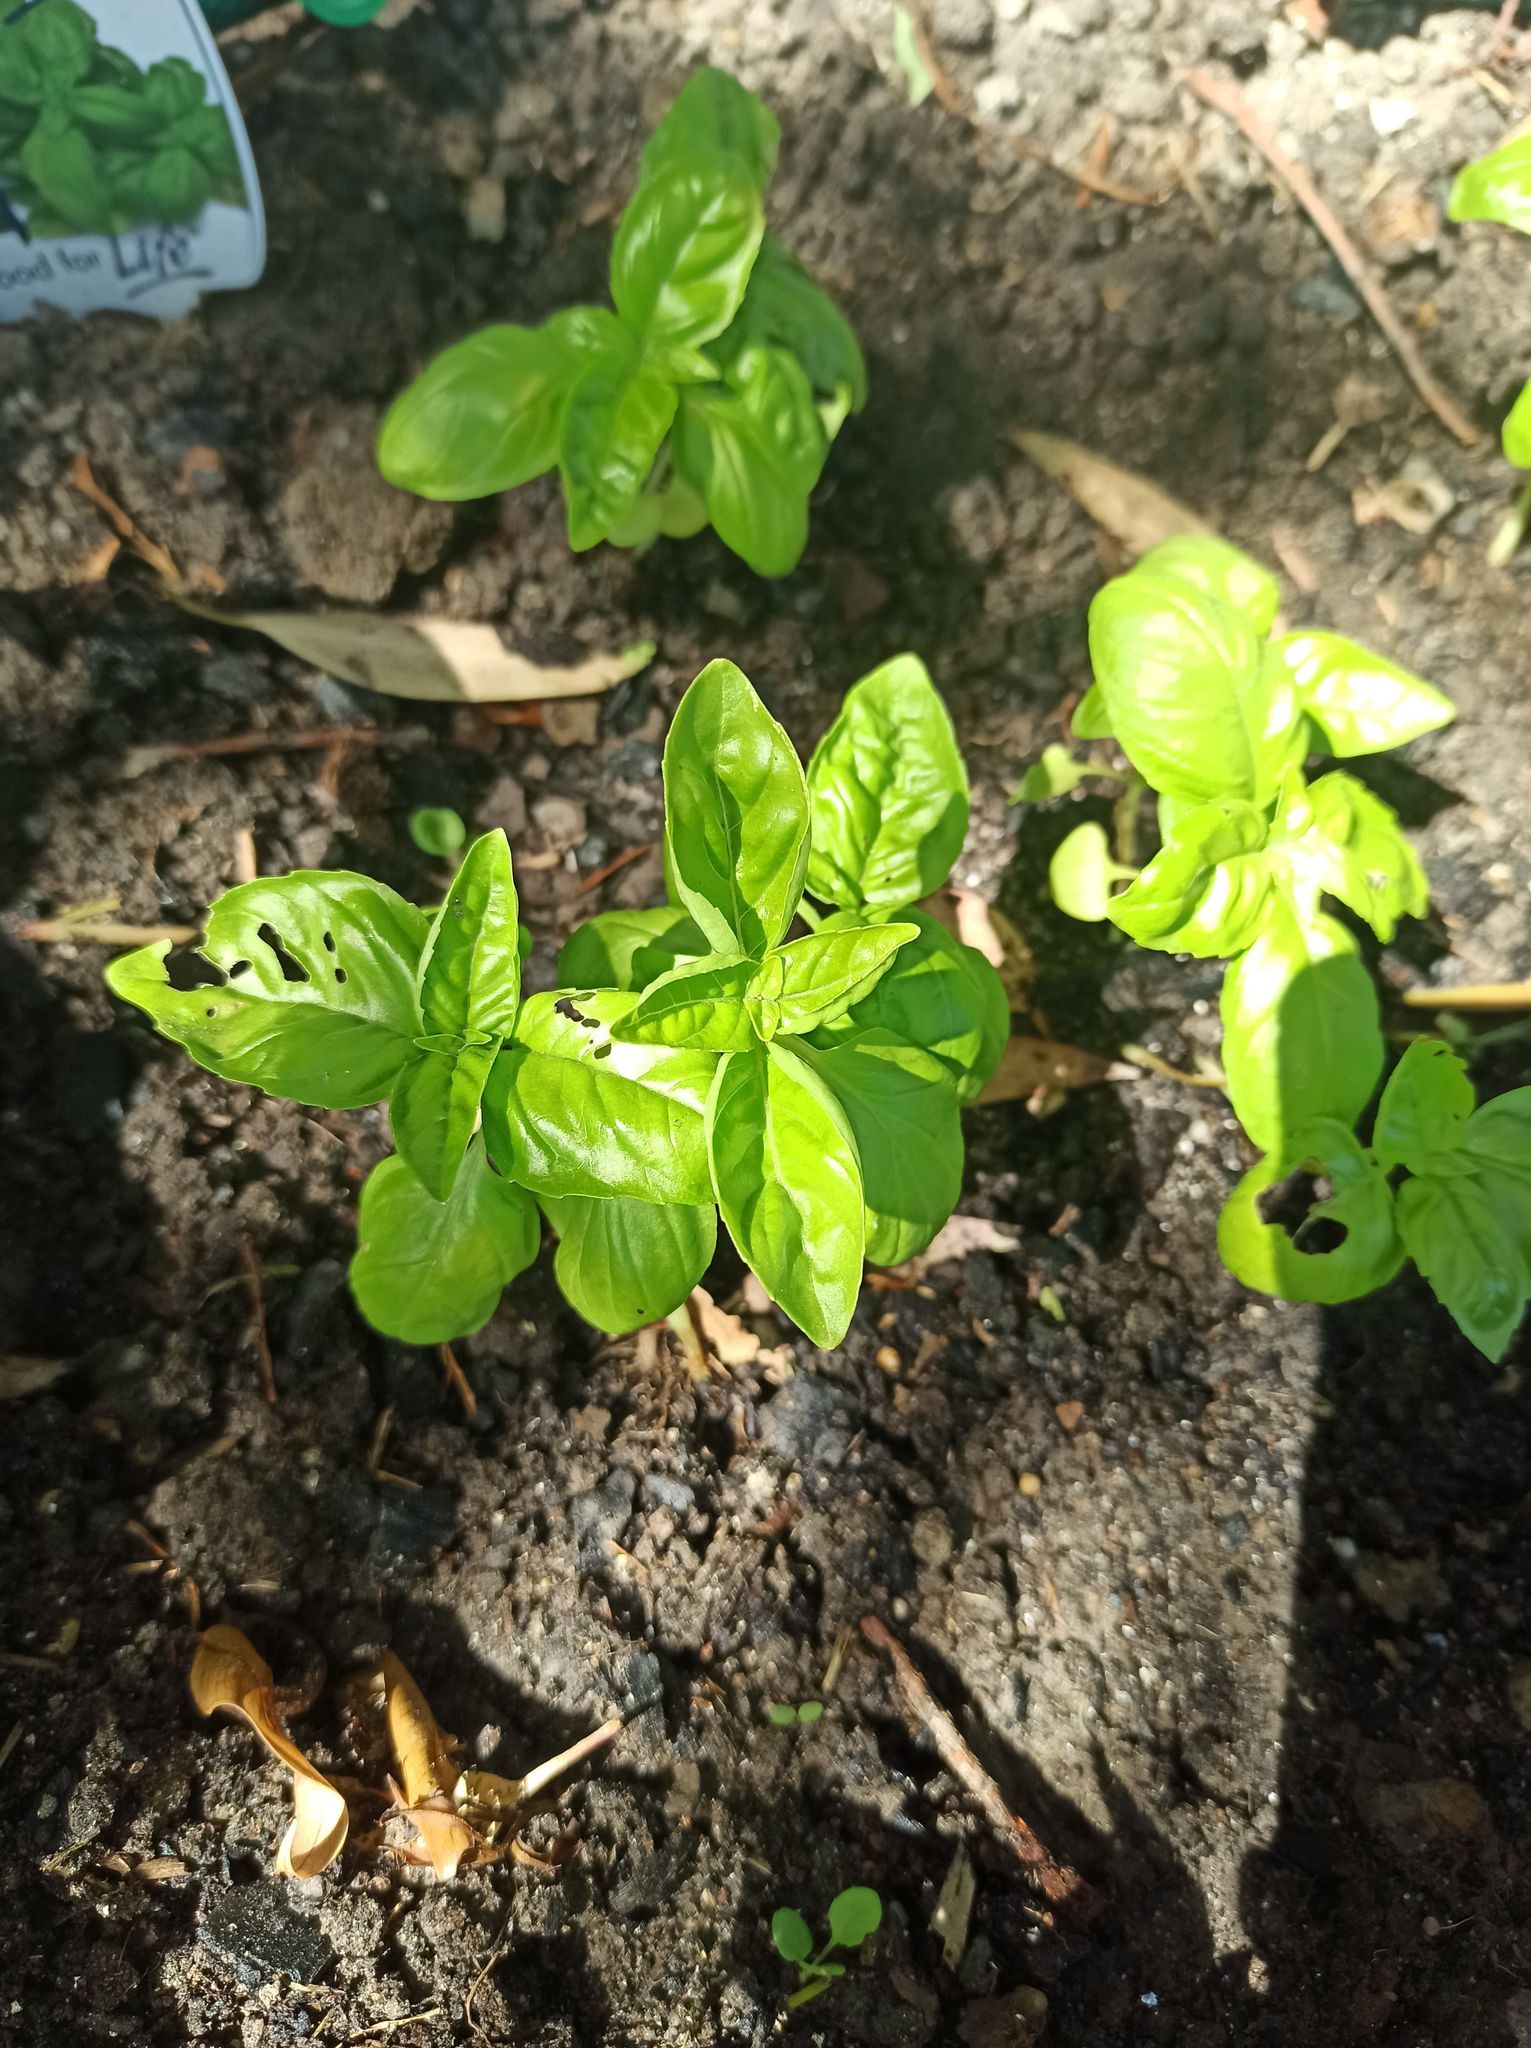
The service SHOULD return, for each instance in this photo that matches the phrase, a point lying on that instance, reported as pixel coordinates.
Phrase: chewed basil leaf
(1265, 1256)
(318, 1000)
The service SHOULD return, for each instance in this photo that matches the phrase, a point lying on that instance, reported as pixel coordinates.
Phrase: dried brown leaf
(958, 1236)
(421, 1751)
(439, 661)
(1132, 510)
(1032, 1063)
(229, 1675)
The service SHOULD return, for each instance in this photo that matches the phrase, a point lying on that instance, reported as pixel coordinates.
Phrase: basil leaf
(470, 970)
(816, 980)
(1055, 774)
(570, 1111)
(1265, 1256)
(752, 450)
(1081, 871)
(1301, 1031)
(938, 996)
(736, 813)
(902, 1108)
(887, 793)
(613, 428)
(1424, 1108)
(1192, 702)
(1496, 187)
(683, 250)
(1497, 1142)
(485, 415)
(1516, 432)
(629, 948)
(1207, 890)
(1218, 570)
(713, 115)
(1091, 720)
(1361, 702)
(1349, 842)
(428, 1271)
(1468, 1253)
(622, 1263)
(322, 1011)
(700, 1004)
(782, 305)
(433, 1111)
(788, 1182)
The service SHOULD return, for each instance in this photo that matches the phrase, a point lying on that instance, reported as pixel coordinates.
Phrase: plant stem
(811, 917)
(1511, 531)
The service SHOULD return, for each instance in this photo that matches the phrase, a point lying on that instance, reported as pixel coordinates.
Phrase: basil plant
(786, 1041)
(1219, 719)
(710, 395)
(1498, 187)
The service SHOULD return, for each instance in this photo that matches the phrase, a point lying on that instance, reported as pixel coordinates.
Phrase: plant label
(126, 178)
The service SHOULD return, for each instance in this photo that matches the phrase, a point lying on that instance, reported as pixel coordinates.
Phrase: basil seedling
(1219, 720)
(1498, 187)
(854, 1916)
(1462, 1213)
(92, 144)
(695, 1057)
(710, 395)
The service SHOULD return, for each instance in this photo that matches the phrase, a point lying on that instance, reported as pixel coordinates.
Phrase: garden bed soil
(1230, 1597)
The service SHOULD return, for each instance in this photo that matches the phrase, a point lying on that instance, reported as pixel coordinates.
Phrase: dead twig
(1490, 995)
(624, 859)
(132, 536)
(249, 1267)
(457, 1380)
(1226, 98)
(1060, 1885)
(103, 931)
(139, 760)
(951, 97)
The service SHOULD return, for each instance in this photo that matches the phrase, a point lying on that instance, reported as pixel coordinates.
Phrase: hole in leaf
(340, 974)
(239, 967)
(1289, 1204)
(329, 942)
(292, 970)
(602, 1052)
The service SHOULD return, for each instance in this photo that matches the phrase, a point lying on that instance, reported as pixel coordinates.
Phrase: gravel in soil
(1230, 1597)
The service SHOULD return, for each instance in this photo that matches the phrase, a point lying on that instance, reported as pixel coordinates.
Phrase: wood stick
(1060, 1885)
(1223, 95)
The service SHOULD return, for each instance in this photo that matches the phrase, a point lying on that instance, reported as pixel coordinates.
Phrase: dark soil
(1248, 1644)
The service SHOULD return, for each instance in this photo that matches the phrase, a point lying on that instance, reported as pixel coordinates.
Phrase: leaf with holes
(318, 998)
(569, 1110)
(428, 1271)
(1266, 1256)
(623, 1263)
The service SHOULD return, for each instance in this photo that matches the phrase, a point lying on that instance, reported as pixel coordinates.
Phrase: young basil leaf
(428, 1271)
(783, 306)
(622, 1263)
(1081, 871)
(788, 1182)
(1498, 1136)
(1468, 1253)
(1091, 720)
(1424, 1108)
(437, 830)
(736, 813)
(323, 1010)
(1207, 890)
(1361, 702)
(1055, 774)
(1221, 571)
(433, 1109)
(854, 1914)
(1496, 187)
(613, 428)
(1265, 1256)
(570, 1111)
(684, 249)
(753, 449)
(1301, 1032)
(713, 115)
(1516, 432)
(887, 793)
(1349, 842)
(791, 1935)
(700, 1004)
(629, 948)
(1192, 703)
(470, 969)
(901, 1105)
(938, 996)
(484, 416)
(816, 980)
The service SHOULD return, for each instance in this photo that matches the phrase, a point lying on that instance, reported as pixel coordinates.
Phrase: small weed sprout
(854, 1916)
(804, 1716)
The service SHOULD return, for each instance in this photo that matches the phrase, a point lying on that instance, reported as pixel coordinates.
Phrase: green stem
(813, 919)
(807, 1991)
(1511, 531)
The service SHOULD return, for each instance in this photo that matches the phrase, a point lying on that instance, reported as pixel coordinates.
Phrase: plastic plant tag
(126, 178)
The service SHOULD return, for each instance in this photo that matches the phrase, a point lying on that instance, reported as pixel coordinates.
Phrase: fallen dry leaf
(1132, 510)
(229, 1675)
(958, 1236)
(21, 1375)
(1032, 1063)
(438, 661)
(427, 1774)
